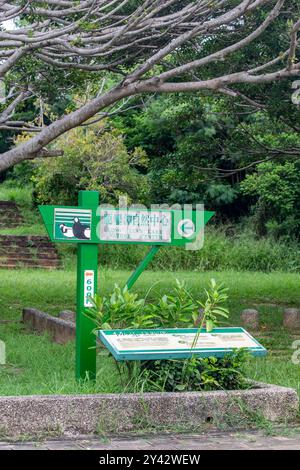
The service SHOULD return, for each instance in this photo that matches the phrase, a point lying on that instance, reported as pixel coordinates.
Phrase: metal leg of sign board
(142, 266)
(87, 269)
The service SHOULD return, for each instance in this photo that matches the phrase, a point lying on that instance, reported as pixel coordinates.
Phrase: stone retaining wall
(109, 413)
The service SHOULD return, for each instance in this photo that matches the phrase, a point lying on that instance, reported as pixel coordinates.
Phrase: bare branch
(294, 40)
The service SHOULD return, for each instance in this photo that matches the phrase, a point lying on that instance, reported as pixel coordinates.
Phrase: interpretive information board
(177, 343)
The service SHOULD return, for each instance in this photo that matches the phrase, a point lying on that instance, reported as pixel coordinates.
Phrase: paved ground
(211, 441)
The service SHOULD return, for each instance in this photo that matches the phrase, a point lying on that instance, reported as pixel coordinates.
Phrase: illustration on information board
(72, 224)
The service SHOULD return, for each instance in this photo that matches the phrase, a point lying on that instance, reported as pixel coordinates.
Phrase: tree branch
(144, 37)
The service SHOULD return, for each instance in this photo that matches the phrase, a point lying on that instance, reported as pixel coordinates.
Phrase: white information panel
(135, 344)
(135, 225)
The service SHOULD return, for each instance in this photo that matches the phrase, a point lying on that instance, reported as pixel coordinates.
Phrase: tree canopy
(117, 50)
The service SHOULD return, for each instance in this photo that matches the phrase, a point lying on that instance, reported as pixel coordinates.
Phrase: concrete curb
(61, 331)
(111, 413)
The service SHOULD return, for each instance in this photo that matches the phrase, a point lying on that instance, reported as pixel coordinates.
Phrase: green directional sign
(127, 226)
(89, 224)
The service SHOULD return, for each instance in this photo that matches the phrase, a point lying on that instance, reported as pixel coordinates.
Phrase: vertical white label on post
(89, 277)
(2, 353)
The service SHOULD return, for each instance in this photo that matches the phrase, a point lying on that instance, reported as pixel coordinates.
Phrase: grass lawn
(37, 366)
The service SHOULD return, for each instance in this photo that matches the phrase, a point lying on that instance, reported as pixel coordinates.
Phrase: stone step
(24, 259)
(13, 240)
(31, 251)
(32, 254)
(32, 238)
(8, 204)
(28, 261)
(17, 266)
(22, 239)
(28, 245)
(48, 248)
(27, 248)
(19, 251)
(23, 253)
(10, 221)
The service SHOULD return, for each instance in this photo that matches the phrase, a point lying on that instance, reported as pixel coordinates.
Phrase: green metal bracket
(142, 266)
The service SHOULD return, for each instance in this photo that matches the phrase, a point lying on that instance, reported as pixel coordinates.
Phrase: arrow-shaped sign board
(130, 226)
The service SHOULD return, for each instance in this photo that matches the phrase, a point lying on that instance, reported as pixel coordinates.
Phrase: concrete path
(211, 441)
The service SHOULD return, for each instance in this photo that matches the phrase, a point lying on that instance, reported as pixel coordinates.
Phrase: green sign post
(87, 270)
(89, 224)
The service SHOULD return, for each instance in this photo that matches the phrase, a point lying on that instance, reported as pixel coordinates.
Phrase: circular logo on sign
(186, 228)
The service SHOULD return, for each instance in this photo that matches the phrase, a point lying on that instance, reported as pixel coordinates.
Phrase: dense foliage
(182, 149)
(94, 158)
(202, 149)
(178, 148)
(62, 66)
(276, 191)
(210, 373)
(177, 309)
(223, 250)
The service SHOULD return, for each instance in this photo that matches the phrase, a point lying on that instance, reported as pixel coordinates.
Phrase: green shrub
(122, 309)
(94, 159)
(177, 309)
(275, 188)
(196, 374)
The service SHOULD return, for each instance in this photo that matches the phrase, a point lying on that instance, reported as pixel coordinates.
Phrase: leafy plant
(177, 309)
(213, 310)
(203, 374)
(95, 158)
(99, 314)
(122, 309)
